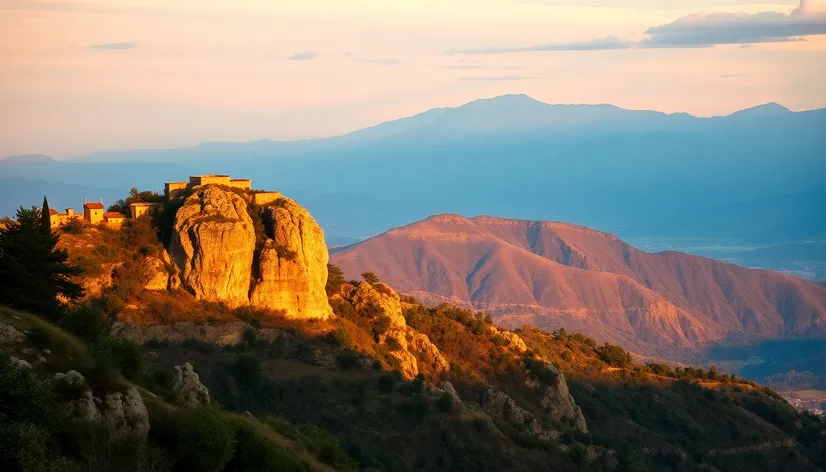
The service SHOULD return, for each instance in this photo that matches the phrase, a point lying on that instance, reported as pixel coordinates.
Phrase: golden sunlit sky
(77, 77)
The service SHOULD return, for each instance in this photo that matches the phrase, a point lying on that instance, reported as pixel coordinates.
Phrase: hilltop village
(94, 214)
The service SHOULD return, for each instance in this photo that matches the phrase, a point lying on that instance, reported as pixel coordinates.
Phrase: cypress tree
(45, 217)
(34, 272)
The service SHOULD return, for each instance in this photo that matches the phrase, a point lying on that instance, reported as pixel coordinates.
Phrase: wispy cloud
(732, 76)
(382, 61)
(304, 56)
(465, 66)
(702, 30)
(599, 44)
(115, 46)
(697, 31)
(493, 78)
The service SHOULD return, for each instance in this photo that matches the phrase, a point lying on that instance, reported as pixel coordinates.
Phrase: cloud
(115, 46)
(496, 78)
(304, 56)
(704, 30)
(382, 61)
(732, 76)
(471, 66)
(599, 44)
(698, 31)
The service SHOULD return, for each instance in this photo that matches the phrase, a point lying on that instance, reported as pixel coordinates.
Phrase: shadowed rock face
(215, 249)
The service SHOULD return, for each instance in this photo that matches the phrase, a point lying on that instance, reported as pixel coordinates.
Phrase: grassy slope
(68, 352)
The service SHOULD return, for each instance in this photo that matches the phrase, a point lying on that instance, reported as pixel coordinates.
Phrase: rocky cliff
(273, 257)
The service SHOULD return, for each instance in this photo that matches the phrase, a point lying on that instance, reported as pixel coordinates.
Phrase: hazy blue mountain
(634, 173)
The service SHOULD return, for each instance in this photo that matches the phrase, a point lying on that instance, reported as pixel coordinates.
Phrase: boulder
(20, 363)
(558, 401)
(125, 412)
(450, 390)
(292, 265)
(187, 386)
(379, 295)
(213, 243)
(155, 274)
(427, 352)
(72, 378)
(10, 335)
(514, 340)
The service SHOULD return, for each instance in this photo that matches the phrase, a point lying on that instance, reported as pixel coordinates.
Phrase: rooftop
(93, 205)
(114, 214)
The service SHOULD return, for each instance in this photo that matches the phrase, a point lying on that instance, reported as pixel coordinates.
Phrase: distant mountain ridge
(634, 173)
(553, 275)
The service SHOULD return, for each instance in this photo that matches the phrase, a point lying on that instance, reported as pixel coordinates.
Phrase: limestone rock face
(156, 276)
(412, 349)
(124, 412)
(382, 296)
(499, 405)
(451, 390)
(220, 257)
(187, 386)
(213, 244)
(515, 341)
(558, 401)
(292, 266)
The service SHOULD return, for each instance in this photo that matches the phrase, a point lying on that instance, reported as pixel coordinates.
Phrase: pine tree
(370, 278)
(45, 217)
(33, 271)
(335, 278)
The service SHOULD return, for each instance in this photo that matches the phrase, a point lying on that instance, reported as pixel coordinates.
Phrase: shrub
(370, 278)
(614, 355)
(416, 406)
(340, 337)
(347, 359)
(86, 322)
(445, 402)
(206, 441)
(284, 253)
(387, 382)
(247, 371)
(74, 226)
(123, 354)
(253, 452)
(381, 325)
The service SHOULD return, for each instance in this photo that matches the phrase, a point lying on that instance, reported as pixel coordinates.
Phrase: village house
(93, 212)
(138, 209)
(114, 218)
(59, 219)
(173, 189)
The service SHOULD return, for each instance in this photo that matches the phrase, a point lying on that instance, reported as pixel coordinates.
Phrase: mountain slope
(555, 274)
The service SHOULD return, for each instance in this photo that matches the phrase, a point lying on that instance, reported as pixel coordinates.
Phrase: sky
(78, 77)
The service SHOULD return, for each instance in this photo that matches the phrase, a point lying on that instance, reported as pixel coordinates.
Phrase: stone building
(173, 189)
(93, 212)
(138, 209)
(59, 219)
(114, 218)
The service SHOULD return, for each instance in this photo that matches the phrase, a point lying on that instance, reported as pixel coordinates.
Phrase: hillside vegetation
(386, 383)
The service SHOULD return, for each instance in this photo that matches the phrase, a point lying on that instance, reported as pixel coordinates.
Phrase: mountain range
(555, 275)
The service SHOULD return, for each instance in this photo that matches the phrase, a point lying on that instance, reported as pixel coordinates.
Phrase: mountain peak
(766, 109)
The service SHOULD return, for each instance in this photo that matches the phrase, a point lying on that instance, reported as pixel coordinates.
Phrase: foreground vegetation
(328, 395)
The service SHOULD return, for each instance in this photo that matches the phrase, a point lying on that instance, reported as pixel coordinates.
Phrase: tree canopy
(33, 271)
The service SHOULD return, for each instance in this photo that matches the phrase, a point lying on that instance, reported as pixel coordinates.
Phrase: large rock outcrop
(292, 267)
(221, 257)
(413, 350)
(213, 244)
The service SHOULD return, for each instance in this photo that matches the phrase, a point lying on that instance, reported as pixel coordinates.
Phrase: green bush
(388, 381)
(381, 325)
(123, 354)
(74, 226)
(86, 322)
(445, 402)
(340, 337)
(252, 452)
(247, 371)
(614, 355)
(347, 359)
(206, 441)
